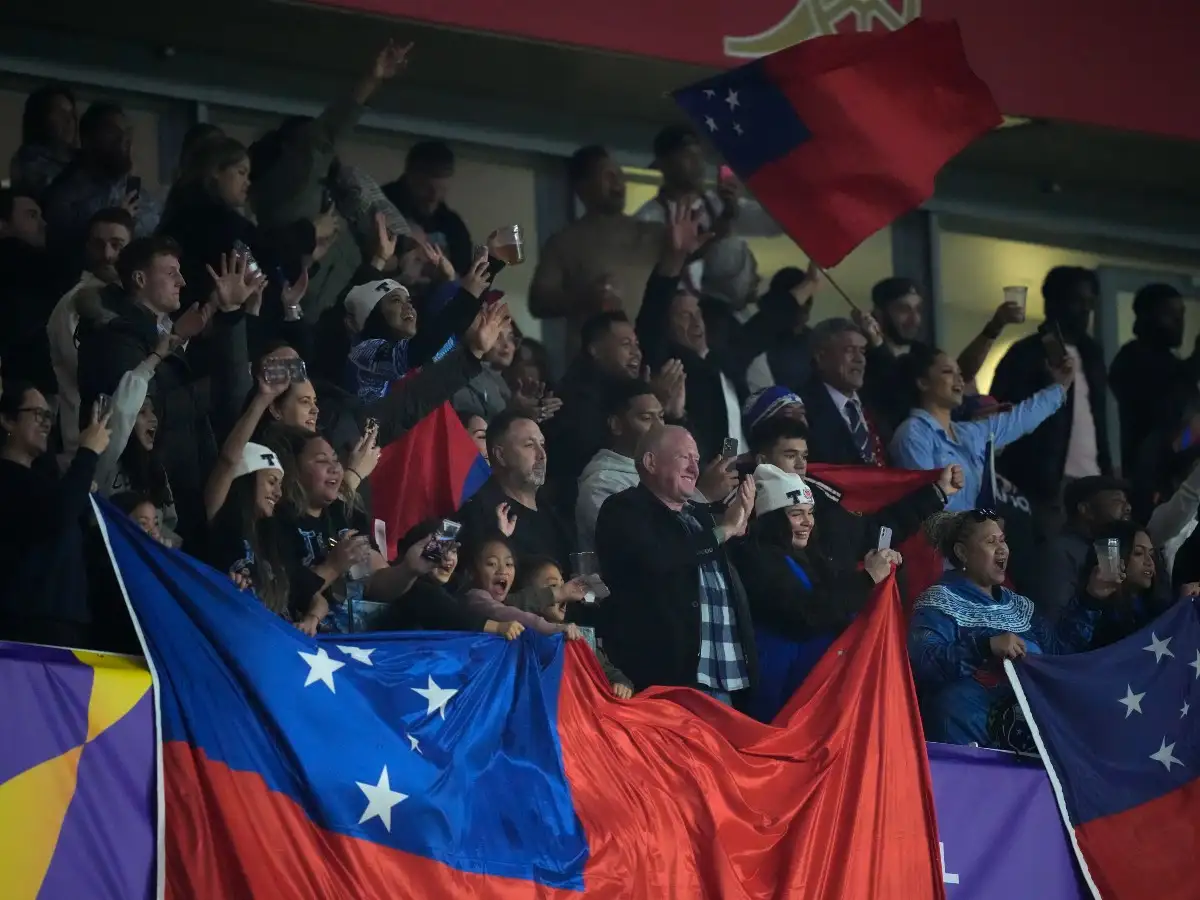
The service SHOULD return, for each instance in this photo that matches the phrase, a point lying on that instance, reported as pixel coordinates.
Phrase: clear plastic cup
(509, 245)
(1108, 558)
(1017, 293)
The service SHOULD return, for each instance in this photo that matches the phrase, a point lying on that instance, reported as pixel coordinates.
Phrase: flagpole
(833, 284)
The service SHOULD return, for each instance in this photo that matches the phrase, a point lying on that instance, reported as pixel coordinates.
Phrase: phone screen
(441, 539)
(133, 185)
(729, 448)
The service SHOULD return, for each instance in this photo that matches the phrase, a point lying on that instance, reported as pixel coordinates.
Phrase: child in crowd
(543, 572)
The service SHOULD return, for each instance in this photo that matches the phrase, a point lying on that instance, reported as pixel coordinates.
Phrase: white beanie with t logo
(777, 489)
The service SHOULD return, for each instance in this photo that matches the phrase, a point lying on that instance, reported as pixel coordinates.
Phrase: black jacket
(456, 238)
(651, 623)
(1152, 386)
(781, 603)
(29, 290)
(706, 413)
(846, 537)
(540, 532)
(183, 393)
(207, 230)
(1035, 463)
(829, 438)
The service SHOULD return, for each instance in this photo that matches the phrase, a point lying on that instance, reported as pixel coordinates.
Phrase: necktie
(858, 430)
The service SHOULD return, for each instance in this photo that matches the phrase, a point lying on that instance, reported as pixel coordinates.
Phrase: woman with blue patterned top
(966, 625)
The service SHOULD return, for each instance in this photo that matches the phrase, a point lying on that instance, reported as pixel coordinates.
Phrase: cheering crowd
(225, 365)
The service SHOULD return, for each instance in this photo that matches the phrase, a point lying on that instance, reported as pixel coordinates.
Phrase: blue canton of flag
(745, 116)
(1117, 723)
(388, 738)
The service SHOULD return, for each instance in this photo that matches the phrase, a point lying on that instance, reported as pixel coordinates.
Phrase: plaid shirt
(722, 662)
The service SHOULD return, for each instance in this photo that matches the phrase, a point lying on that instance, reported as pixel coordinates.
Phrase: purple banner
(77, 799)
(1001, 832)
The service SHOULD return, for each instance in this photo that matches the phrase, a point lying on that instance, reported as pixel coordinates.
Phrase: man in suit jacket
(842, 429)
(678, 613)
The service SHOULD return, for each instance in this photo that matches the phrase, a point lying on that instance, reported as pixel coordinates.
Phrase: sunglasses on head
(982, 515)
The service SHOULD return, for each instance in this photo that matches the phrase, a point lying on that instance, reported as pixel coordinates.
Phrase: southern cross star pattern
(746, 117)
(1116, 724)
(380, 796)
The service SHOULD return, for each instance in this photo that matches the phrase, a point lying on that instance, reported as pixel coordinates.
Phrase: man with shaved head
(678, 613)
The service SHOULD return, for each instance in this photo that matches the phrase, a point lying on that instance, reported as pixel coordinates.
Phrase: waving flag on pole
(840, 135)
(1119, 732)
(425, 764)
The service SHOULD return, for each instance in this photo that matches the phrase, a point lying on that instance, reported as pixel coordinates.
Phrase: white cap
(777, 489)
(256, 457)
(365, 297)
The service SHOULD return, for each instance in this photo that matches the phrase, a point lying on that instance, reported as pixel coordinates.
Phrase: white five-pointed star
(737, 128)
(710, 123)
(1159, 648)
(414, 743)
(1183, 712)
(438, 697)
(709, 93)
(732, 99)
(321, 667)
(1166, 755)
(380, 800)
(1131, 701)
(359, 654)
(1196, 664)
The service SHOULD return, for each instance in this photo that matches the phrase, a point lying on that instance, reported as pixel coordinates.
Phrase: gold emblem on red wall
(813, 18)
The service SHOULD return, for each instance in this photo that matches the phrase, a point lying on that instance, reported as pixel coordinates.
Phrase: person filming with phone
(1072, 443)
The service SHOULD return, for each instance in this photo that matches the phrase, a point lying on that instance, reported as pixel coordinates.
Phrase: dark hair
(94, 116)
(112, 215)
(37, 110)
(599, 325)
(470, 552)
(197, 134)
(288, 442)
(430, 158)
(583, 163)
(12, 399)
(145, 471)
(530, 565)
(771, 431)
(206, 158)
(1124, 531)
(8, 199)
(1061, 281)
(944, 530)
(264, 536)
(774, 528)
(1149, 299)
(140, 253)
(376, 327)
(535, 350)
(500, 425)
(890, 290)
(911, 368)
(128, 501)
(619, 395)
(466, 415)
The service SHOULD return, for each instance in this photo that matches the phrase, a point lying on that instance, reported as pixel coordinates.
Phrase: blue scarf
(972, 607)
(799, 572)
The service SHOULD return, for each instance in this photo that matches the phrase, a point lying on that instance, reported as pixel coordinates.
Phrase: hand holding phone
(729, 448)
(440, 540)
(885, 539)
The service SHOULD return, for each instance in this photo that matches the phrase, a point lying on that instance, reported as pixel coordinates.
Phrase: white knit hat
(777, 489)
(365, 297)
(256, 457)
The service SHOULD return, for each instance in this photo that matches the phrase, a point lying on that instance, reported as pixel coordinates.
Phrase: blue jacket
(921, 443)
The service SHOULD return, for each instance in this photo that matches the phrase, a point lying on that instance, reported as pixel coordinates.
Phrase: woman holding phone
(44, 591)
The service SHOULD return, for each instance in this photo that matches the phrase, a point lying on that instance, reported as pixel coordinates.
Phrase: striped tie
(858, 430)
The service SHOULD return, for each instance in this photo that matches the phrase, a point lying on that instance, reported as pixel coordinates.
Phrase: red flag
(431, 471)
(838, 136)
(868, 489)
(833, 800)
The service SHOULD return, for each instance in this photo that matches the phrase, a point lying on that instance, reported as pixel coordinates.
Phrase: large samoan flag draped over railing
(426, 765)
(1119, 731)
(77, 775)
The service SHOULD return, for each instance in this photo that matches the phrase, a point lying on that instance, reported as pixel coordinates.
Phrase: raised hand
(234, 283)
(194, 320)
(670, 387)
(293, 292)
(487, 327)
(506, 520)
(684, 230)
(365, 455)
(391, 60)
(383, 243)
(475, 281)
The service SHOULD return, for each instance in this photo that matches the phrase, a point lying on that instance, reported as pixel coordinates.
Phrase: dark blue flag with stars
(1119, 731)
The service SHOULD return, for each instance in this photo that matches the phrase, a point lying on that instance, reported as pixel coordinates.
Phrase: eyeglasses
(41, 415)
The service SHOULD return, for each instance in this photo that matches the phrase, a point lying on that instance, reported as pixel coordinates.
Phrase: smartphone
(103, 405)
(1056, 347)
(885, 539)
(133, 185)
(729, 447)
(371, 423)
(446, 533)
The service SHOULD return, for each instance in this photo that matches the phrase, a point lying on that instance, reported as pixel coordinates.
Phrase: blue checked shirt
(722, 662)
